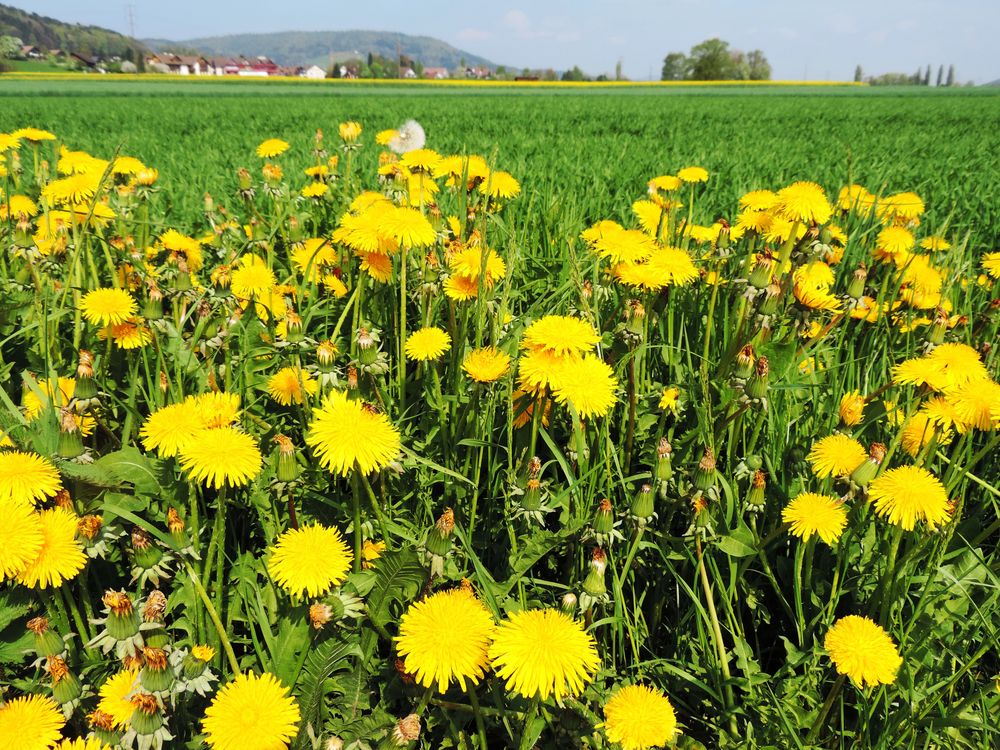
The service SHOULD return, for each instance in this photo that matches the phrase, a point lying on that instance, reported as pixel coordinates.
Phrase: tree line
(714, 60)
(921, 78)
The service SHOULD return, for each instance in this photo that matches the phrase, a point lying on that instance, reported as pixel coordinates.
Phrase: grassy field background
(582, 153)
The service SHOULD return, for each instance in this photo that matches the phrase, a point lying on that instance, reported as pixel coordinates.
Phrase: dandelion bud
(439, 537)
(288, 467)
(352, 379)
(103, 727)
(935, 334)
(146, 177)
(326, 352)
(532, 499)
(70, 438)
(48, 642)
(594, 584)
(155, 676)
(320, 614)
(852, 407)
(635, 314)
(153, 309)
(757, 385)
(642, 503)
(704, 476)
(88, 528)
(744, 362)
(406, 731)
(865, 473)
(755, 495)
(856, 288)
(146, 553)
(294, 332)
(367, 346)
(86, 388)
(66, 687)
(146, 716)
(334, 743)
(604, 519)
(196, 662)
(664, 471)
(568, 603)
(760, 274)
(349, 131)
(220, 277)
(63, 499)
(175, 524)
(164, 382)
(155, 606)
(769, 305)
(123, 620)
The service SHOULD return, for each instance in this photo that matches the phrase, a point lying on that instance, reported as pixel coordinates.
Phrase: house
(478, 73)
(182, 65)
(222, 66)
(86, 62)
(57, 53)
(407, 73)
(436, 73)
(314, 71)
(30, 52)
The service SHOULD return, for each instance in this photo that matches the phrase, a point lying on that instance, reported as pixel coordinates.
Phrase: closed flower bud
(745, 360)
(294, 331)
(757, 385)
(66, 687)
(856, 288)
(326, 353)
(85, 388)
(153, 309)
(146, 553)
(643, 503)
(935, 334)
(704, 476)
(594, 584)
(48, 642)
(755, 495)
(439, 537)
(155, 676)
(604, 519)
(532, 498)
(146, 716)
(568, 603)
(123, 620)
(772, 294)
(760, 274)
(70, 439)
(288, 469)
(664, 470)
(864, 474)
(367, 347)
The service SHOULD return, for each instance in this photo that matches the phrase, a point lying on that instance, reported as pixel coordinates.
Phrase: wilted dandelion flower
(836, 455)
(588, 383)
(21, 537)
(251, 713)
(803, 202)
(31, 722)
(291, 385)
(543, 652)
(427, 344)
(311, 559)
(852, 407)
(220, 457)
(692, 174)
(639, 717)
(409, 136)
(344, 433)
(908, 494)
(863, 651)
(115, 694)
(560, 335)
(444, 638)
(486, 364)
(811, 513)
(107, 306)
(61, 556)
(27, 478)
(271, 147)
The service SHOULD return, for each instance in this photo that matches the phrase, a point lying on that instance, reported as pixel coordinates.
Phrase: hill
(49, 33)
(316, 47)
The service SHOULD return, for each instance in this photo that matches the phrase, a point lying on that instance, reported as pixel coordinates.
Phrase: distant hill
(316, 47)
(48, 33)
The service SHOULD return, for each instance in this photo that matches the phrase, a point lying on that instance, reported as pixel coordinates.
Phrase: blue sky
(801, 38)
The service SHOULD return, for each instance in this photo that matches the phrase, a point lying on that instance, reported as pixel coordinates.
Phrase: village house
(30, 52)
(183, 65)
(436, 73)
(478, 72)
(314, 71)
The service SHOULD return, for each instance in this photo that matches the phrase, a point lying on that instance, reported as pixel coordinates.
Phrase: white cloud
(517, 20)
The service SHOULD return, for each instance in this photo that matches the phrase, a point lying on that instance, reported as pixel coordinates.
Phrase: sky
(803, 39)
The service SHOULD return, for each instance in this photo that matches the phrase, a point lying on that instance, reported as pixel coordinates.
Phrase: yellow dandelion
(18, 205)
(904, 206)
(221, 457)
(315, 190)
(271, 147)
(383, 137)
(127, 166)
(21, 537)
(500, 185)
(203, 653)
(836, 455)
(444, 638)
(895, 244)
(31, 722)
(291, 385)
(588, 383)
(370, 552)
(34, 136)
(107, 306)
(376, 265)
(346, 433)
(639, 717)
(675, 264)
(251, 713)
(852, 407)
(539, 369)
(758, 200)
(803, 202)
(217, 408)
(132, 334)
(115, 694)
(976, 403)
(908, 494)
(408, 227)
(81, 743)
(935, 244)
(560, 335)
(349, 131)
(486, 364)
(171, 428)
(863, 651)
(309, 560)
(692, 174)
(991, 264)
(669, 399)
(668, 183)
(252, 280)
(61, 557)
(811, 513)
(624, 245)
(75, 190)
(427, 344)
(469, 264)
(543, 652)
(420, 160)
(919, 431)
(27, 478)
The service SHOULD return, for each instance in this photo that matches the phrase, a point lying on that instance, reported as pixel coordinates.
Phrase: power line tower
(131, 20)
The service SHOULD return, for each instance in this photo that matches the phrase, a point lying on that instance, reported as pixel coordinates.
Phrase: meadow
(570, 417)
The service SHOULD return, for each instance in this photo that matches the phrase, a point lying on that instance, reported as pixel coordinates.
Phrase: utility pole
(131, 20)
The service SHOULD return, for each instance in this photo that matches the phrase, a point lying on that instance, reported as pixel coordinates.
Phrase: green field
(406, 454)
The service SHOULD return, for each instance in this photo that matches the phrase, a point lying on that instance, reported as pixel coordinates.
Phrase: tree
(711, 61)
(9, 46)
(618, 71)
(760, 68)
(927, 76)
(940, 78)
(675, 67)
(859, 74)
(575, 74)
(951, 76)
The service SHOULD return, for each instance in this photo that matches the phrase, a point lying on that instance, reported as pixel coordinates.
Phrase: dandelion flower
(543, 652)
(624, 245)
(420, 160)
(500, 185)
(836, 455)
(61, 557)
(31, 722)
(486, 364)
(291, 385)
(758, 200)
(560, 335)
(81, 743)
(315, 190)
(444, 638)
(669, 398)
(908, 494)
(408, 227)
(251, 713)
(935, 244)
(852, 407)
(803, 202)
(27, 477)
(107, 306)
(75, 190)
(894, 243)
(675, 264)
(991, 264)
(539, 369)
(18, 205)
(863, 651)
(345, 432)
(34, 136)
(976, 404)
(588, 383)
(349, 131)
(252, 279)
(469, 264)
(21, 537)
(271, 147)
(132, 334)
(919, 431)
(171, 428)
(311, 559)
(692, 174)
(220, 457)
(810, 513)
(427, 344)
(638, 717)
(115, 694)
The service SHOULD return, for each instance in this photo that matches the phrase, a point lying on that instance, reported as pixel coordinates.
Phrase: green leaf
(738, 543)
(328, 658)
(399, 575)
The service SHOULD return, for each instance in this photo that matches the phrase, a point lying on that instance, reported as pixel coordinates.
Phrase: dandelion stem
(356, 477)
(825, 710)
(227, 647)
(716, 635)
(478, 715)
(529, 719)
